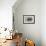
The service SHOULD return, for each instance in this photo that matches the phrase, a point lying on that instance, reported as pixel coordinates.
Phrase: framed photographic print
(28, 19)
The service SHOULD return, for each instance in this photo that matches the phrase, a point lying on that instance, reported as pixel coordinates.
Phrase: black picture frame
(31, 18)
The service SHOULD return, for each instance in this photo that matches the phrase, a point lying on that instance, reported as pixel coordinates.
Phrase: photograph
(28, 19)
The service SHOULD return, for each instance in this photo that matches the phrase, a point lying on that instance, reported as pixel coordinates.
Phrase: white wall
(43, 22)
(28, 7)
(6, 13)
(35, 31)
